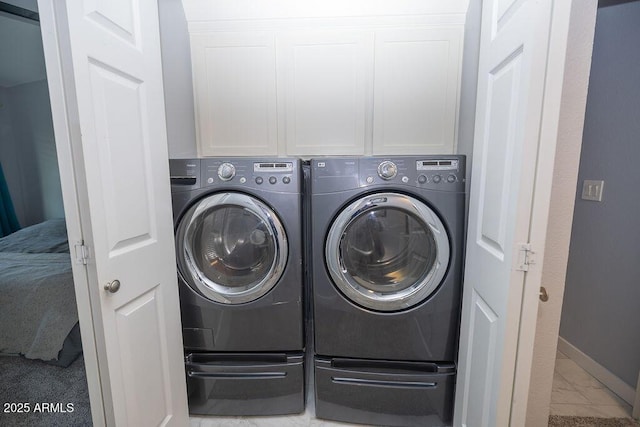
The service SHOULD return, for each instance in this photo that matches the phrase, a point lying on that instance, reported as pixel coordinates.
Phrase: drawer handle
(382, 383)
(239, 375)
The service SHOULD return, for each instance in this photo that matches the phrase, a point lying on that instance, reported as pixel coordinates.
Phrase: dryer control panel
(441, 172)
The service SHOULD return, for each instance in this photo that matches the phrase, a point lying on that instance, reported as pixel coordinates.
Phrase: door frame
(563, 117)
(569, 111)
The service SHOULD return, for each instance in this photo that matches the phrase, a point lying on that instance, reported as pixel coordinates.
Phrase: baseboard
(599, 372)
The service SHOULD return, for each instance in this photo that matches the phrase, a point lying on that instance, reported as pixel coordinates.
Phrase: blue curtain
(8, 220)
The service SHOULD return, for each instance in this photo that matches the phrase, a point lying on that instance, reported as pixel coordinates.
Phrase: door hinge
(82, 253)
(525, 257)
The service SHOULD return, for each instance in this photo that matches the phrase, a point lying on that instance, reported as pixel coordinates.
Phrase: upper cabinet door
(324, 81)
(417, 76)
(234, 80)
(336, 78)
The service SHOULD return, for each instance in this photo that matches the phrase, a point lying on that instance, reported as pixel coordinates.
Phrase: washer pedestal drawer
(384, 392)
(245, 384)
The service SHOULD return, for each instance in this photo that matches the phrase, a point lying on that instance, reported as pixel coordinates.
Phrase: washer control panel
(271, 175)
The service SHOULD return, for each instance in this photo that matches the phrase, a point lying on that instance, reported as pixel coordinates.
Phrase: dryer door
(387, 251)
(232, 248)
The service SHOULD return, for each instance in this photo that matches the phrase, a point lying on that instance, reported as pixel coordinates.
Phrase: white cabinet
(324, 82)
(326, 85)
(417, 81)
(235, 93)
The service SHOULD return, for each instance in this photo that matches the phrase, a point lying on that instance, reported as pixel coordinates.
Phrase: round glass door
(387, 251)
(231, 247)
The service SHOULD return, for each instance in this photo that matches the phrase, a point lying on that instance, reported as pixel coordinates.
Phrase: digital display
(273, 167)
(423, 165)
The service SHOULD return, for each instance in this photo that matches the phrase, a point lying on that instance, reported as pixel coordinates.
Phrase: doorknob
(544, 296)
(112, 286)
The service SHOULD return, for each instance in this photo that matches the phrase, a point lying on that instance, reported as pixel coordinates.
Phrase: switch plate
(592, 190)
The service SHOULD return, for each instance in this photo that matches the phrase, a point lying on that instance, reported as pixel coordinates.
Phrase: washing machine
(238, 228)
(387, 251)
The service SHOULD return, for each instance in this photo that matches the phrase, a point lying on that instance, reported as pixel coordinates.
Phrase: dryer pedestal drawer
(399, 394)
(245, 384)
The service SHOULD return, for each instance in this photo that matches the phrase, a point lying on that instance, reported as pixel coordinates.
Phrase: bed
(38, 312)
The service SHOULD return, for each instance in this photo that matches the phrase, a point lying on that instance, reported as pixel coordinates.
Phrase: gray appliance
(238, 225)
(387, 245)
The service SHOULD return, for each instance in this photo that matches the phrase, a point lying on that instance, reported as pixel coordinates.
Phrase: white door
(511, 82)
(109, 55)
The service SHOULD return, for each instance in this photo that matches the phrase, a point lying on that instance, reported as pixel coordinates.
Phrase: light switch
(592, 190)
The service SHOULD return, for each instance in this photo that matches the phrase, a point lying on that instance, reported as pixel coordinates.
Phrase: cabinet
(326, 85)
(416, 90)
(235, 93)
(324, 97)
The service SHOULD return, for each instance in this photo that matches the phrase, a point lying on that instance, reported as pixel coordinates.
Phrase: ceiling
(21, 54)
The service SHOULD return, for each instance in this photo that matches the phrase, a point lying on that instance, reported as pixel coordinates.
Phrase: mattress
(46, 237)
(37, 304)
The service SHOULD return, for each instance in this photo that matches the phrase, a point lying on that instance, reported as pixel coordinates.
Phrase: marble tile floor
(576, 393)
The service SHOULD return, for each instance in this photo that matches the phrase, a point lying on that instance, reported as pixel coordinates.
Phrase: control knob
(387, 170)
(226, 171)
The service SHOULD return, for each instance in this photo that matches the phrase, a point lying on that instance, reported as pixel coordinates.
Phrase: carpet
(564, 421)
(55, 396)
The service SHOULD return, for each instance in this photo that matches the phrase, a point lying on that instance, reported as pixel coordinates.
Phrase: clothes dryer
(238, 226)
(387, 245)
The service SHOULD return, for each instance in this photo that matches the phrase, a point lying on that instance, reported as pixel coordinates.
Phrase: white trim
(215, 10)
(636, 405)
(329, 23)
(599, 372)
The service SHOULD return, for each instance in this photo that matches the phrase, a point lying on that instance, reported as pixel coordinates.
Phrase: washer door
(231, 247)
(387, 251)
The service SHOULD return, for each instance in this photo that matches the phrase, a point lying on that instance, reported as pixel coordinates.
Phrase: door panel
(134, 319)
(503, 98)
(118, 106)
(114, 16)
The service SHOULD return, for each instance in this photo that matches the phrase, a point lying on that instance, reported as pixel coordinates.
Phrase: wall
(469, 83)
(178, 88)
(9, 153)
(600, 314)
(28, 153)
